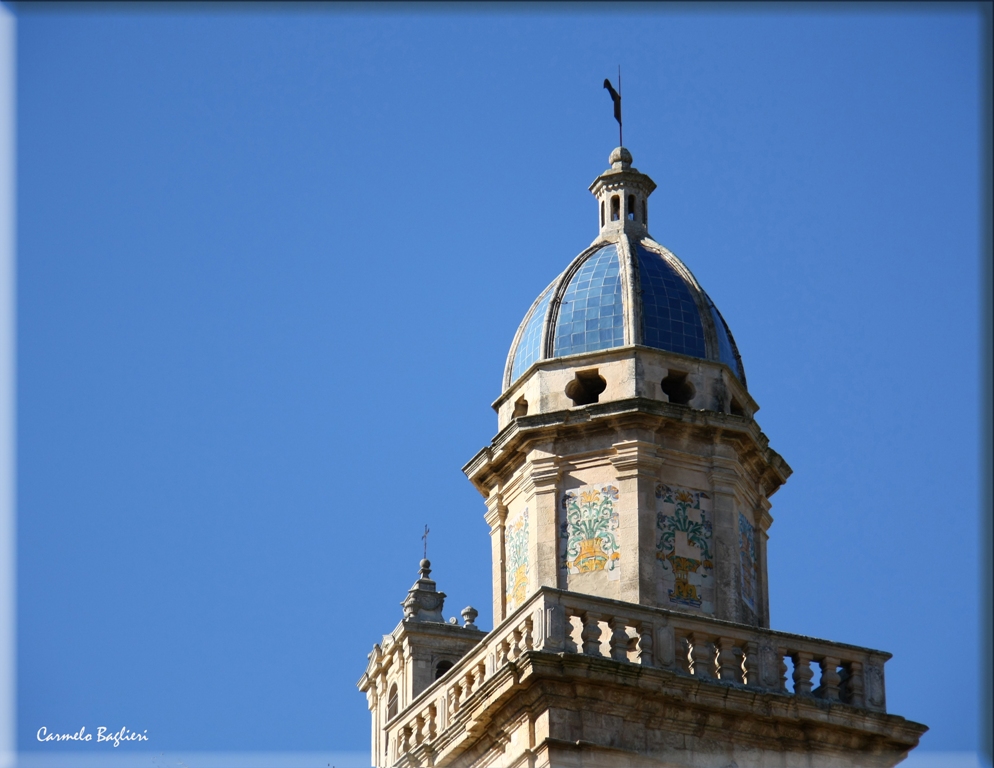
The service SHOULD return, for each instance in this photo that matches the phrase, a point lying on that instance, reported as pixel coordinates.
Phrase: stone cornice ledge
(526, 429)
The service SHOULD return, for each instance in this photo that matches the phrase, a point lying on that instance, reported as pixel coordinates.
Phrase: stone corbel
(496, 511)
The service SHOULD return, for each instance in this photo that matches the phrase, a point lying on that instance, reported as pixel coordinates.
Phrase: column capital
(636, 457)
(542, 472)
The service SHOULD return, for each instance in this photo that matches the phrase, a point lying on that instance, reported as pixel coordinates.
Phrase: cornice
(490, 463)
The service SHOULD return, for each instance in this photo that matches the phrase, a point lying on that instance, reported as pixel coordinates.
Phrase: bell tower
(629, 464)
(628, 497)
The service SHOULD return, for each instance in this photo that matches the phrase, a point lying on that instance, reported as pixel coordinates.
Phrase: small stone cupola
(622, 196)
(419, 651)
(424, 602)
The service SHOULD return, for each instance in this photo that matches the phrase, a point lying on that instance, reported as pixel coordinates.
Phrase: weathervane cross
(616, 98)
(425, 538)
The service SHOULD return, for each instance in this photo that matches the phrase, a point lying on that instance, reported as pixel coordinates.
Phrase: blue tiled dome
(611, 286)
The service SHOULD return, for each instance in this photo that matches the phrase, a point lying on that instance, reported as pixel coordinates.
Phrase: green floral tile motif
(683, 547)
(516, 559)
(748, 561)
(588, 532)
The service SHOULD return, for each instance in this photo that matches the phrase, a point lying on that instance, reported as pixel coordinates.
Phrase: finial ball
(620, 156)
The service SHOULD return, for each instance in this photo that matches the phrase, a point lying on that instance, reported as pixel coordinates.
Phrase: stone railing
(710, 650)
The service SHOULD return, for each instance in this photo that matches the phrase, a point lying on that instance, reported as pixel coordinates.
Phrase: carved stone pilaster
(723, 478)
(541, 476)
(637, 464)
(496, 518)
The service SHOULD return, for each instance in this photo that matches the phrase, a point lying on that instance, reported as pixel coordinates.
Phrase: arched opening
(442, 668)
(677, 388)
(602, 213)
(615, 208)
(630, 211)
(392, 702)
(586, 387)
(520, 407)
(645, 213)
(736, 408)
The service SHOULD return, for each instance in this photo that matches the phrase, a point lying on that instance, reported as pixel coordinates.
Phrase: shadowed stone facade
(628, 497)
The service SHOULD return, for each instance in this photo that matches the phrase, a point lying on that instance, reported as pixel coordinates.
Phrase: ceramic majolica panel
(588, 540)
(516, 559)
(684, 528)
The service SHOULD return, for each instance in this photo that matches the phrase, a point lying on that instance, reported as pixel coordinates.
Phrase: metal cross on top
(616, 98)
(425, 538)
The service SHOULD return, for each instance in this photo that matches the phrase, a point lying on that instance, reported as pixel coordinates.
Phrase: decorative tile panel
(516, 559)
(588, 539)
(748, 561)
(684, 527)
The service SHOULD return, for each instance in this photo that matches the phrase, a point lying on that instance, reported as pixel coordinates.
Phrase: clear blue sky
(271, 261)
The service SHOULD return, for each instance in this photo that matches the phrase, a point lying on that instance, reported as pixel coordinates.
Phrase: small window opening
(736, 408)
(520, 407)
(615, 208)
(602, 213)
(677, 388)
(442, 668)
(645, 213)
(392, 702)
(630, 210)
(586, 387)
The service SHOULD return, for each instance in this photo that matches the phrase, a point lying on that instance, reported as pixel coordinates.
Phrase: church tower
(628, 499)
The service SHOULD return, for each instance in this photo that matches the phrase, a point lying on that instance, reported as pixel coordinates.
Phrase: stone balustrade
(712, 651)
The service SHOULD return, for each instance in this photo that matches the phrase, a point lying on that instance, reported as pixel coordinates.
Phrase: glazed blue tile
(726, 347)
(670, 320)
(591, 315)
(530, 345)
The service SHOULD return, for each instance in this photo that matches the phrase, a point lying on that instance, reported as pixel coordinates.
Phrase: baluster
(683, 657)
(527, 643)
(619, 639)
(591, 635)
(645, 645)
(515, 650)
(828, 689)
(419, 730)
(802, 673)
(481, 673)
(701, 657)
(729, 669)
(432, 714)
(468, 682)
(455, 697)
(852, 684)
(405, 739)
(569, 645)
(750, 663)
(502, 649)
(782, 667)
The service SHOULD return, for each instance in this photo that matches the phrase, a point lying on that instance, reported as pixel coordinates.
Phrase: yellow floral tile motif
(516, 559)
(683, 547)
(588, 531)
